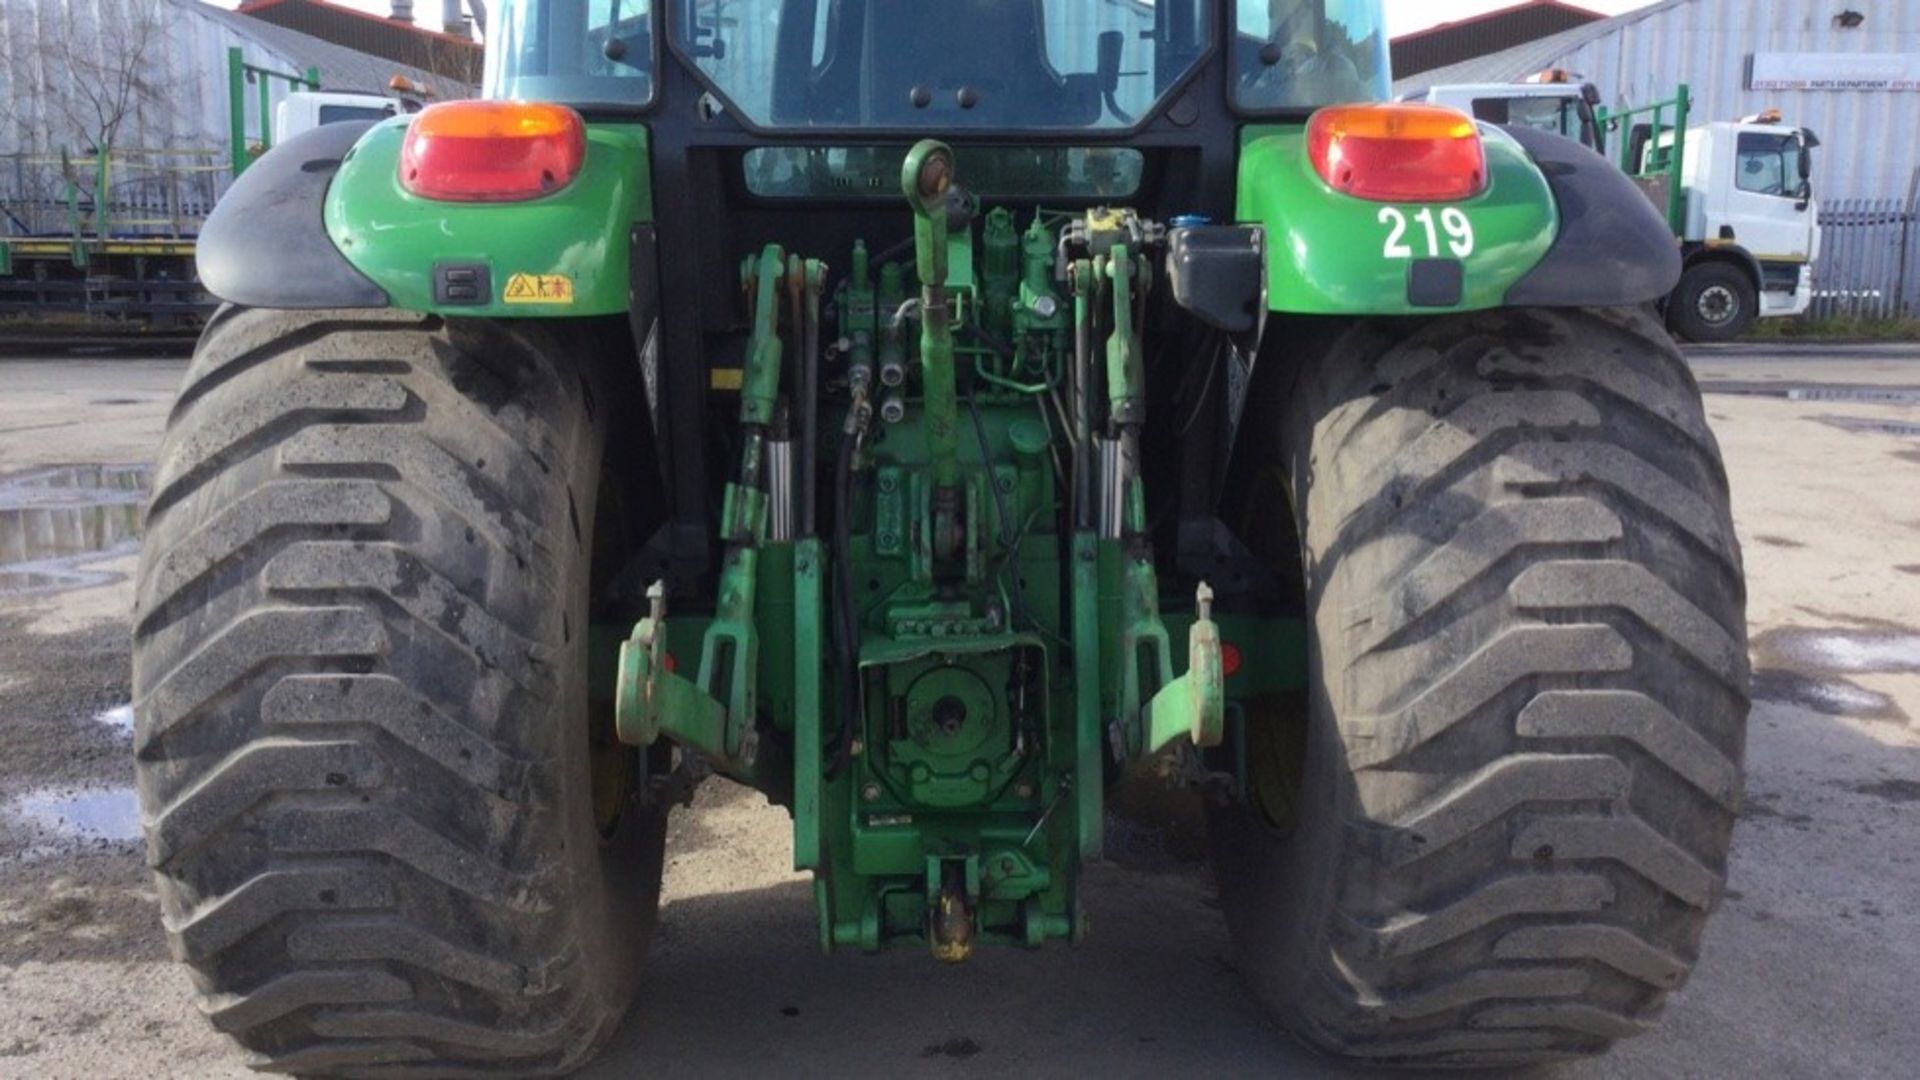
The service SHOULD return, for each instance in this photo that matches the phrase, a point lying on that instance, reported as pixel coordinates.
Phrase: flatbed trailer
(109, 236)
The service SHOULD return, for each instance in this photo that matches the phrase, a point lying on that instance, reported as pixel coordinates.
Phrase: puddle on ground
(1805, 667)
(120, 719)
(54, 521)
(1889, 395)
(1859, 426)
(1839, 650)
(87, 815)
(1829, 696)
(1883, 395)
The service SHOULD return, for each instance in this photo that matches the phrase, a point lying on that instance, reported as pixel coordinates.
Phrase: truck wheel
(1500, 833)
(363, 740)
(1714, 302)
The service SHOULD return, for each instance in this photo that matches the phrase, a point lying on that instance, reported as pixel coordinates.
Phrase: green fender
(1329, 253)
(564, 254)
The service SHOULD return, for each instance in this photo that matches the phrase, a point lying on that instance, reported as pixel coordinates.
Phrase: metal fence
(140, 193)
(1869, 265)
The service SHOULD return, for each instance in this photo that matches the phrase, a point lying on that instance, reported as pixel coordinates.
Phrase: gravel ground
(1807, 972)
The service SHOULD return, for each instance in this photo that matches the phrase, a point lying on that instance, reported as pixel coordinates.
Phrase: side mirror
(1107, 69)
(1590, 94)
(1079, 104)
(1806, 162)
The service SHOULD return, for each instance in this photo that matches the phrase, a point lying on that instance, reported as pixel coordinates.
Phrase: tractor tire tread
(1527, 606)
(349, 619)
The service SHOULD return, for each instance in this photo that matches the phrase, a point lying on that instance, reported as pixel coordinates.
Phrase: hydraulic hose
(846, 623)
(1081, 394)
(986, 462)
(810, 400)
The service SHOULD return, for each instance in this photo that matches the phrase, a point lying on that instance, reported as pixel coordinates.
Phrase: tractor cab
(1005, 66)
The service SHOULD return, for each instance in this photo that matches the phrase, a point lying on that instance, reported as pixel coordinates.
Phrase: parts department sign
(1835, 71)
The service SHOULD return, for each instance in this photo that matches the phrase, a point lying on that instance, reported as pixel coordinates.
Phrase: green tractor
(932, 416)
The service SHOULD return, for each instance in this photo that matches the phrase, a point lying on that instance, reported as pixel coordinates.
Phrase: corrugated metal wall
(171, 158)
(189, 62)
(1871, 139)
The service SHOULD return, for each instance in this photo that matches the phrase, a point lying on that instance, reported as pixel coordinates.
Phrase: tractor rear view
(927, 415)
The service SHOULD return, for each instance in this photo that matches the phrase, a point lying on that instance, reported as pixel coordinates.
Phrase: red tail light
(1398, 152)
(1229, 659)
(492, 151)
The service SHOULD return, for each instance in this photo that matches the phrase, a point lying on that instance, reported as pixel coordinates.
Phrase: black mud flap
(1614, 248)
(266, 243)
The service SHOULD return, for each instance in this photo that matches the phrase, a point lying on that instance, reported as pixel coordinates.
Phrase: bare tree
(118, 70)
(99, 63)
(88, 68)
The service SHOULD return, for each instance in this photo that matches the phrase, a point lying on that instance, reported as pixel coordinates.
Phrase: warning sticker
(538, 289)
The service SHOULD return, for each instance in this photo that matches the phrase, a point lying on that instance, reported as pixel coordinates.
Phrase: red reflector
(1229, 659)
(492, 151)
(1399, 152)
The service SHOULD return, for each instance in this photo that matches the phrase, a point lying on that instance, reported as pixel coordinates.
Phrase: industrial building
(1490, 31)
(122, 122)
(1847, 69)
(182, 100)
(452, 52)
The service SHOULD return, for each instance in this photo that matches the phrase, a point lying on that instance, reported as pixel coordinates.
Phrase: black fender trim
(1614, 248)
(266, 243)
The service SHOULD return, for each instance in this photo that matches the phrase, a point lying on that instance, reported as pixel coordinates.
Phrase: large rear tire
(1528, 694)
(361, 697)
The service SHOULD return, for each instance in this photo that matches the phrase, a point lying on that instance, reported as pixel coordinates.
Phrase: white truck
(1546, 102)
(1738, 194)
(303, 110)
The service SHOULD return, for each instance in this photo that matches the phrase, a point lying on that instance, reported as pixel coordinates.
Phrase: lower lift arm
(715, 714)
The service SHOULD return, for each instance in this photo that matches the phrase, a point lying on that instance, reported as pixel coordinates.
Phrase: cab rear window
(1005, 65)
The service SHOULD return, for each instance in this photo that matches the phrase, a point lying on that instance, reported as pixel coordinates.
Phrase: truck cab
(1549, 103)
(304, 110)
(1749, 193)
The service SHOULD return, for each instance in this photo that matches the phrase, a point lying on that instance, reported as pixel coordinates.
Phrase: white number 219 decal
(1453, 220)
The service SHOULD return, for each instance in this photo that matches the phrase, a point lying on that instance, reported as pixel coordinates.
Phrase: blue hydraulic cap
(1190, 221)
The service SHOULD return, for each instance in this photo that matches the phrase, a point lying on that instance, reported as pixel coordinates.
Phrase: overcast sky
(1402, 15)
